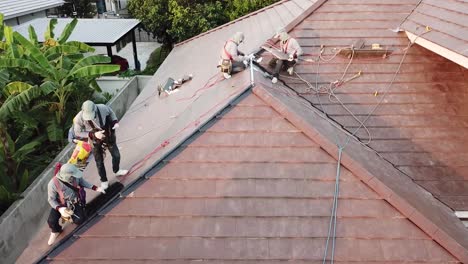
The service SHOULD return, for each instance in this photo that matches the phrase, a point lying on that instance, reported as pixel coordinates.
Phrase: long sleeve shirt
(81, 128)
(230, 52)
(69, 194)
(291, 47)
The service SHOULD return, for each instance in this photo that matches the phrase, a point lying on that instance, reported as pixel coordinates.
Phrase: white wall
(25, 18)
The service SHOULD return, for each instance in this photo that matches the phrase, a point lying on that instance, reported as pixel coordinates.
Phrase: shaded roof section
(448, 21)
(250, 188)
(90, 31)
(15, 8)
(426, 103)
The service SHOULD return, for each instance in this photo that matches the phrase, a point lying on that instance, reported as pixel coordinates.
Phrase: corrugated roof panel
(91, 31)
(449, 21)
(14, 8)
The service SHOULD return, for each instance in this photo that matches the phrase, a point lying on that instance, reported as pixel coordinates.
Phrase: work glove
(116, 126)
(99, 134)
(101, 190)
(65, 212)
(291, 58)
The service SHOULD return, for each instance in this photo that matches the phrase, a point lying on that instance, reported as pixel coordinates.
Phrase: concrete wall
(20, 223)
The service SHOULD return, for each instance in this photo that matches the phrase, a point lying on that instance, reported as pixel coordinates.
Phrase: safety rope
(331, 91)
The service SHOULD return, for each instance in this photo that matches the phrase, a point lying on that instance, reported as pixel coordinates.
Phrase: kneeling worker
(66, 197)
(98, 122)
(232, 60)
(289, 46)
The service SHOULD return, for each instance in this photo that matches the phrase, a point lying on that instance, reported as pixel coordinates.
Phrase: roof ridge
(419, 206)
(288, 27)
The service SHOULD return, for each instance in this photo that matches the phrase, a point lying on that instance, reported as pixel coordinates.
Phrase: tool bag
(226, 66)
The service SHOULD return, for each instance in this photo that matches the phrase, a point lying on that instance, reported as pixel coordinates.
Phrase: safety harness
(226, 64)
(81, 194)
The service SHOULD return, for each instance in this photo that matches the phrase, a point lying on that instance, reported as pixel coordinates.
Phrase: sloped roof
(448, 22)
(153, 126)
(90, 31)
(15, 8)
(137, 227)
(250, 188)
(421, 124)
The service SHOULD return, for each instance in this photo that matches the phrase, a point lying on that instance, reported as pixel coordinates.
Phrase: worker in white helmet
(98, 123)
(66, 196)
(289, 46)
(232, 60)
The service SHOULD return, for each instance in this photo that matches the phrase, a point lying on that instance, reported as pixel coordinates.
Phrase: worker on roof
(232, 60)
(97, 122)
(66, 196)
(289, 46)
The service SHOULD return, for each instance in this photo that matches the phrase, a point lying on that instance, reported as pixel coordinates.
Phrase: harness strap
(226, 52)
(60, 190)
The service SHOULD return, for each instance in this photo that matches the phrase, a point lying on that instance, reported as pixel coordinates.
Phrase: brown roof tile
(426, 103)
(241, 207)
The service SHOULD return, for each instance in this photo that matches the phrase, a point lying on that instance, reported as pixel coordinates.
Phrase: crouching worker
(289, 46)
(98, 123)
(67, 198)
(232, 60)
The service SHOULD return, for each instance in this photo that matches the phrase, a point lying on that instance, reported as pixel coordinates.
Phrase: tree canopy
(173, 21)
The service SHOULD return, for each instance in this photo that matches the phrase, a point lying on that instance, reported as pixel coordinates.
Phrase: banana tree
(39, 84)
(62, 63)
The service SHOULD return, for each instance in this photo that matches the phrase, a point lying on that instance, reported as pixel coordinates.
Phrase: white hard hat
(89, 110)
(67, 171)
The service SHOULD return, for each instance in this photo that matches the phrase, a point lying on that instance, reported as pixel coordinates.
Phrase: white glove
(101, 190)
(291, 58)
(251, 56)
(65, 212)
(99, 134)
(116, 126)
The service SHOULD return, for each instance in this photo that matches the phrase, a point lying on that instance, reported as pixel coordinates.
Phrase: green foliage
(42, 86)
(83, 8)
(155, 60)
(173, 21)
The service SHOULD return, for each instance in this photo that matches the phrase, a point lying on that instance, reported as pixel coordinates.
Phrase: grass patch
(155, 60)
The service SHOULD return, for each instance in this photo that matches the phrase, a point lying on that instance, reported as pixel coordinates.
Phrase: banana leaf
(8, 34)
(59, 50)
(67, 31)
(16, 87)
(94, 70)
(49, 34)
(17, 102)
(54, 131)
(4, 77)
(91, 60)
(34, 51)
(1, 26)
(23, 151)
(24, 181)
(32, 35)
(80, 45)
(24, 64)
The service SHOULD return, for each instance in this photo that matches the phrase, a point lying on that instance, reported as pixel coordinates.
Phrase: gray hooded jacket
(82, 127)
(69, 194)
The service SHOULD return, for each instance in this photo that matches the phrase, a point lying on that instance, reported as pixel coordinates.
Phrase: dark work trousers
(280, 64)
(54, 218)
(98, 152)
(237, 66)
